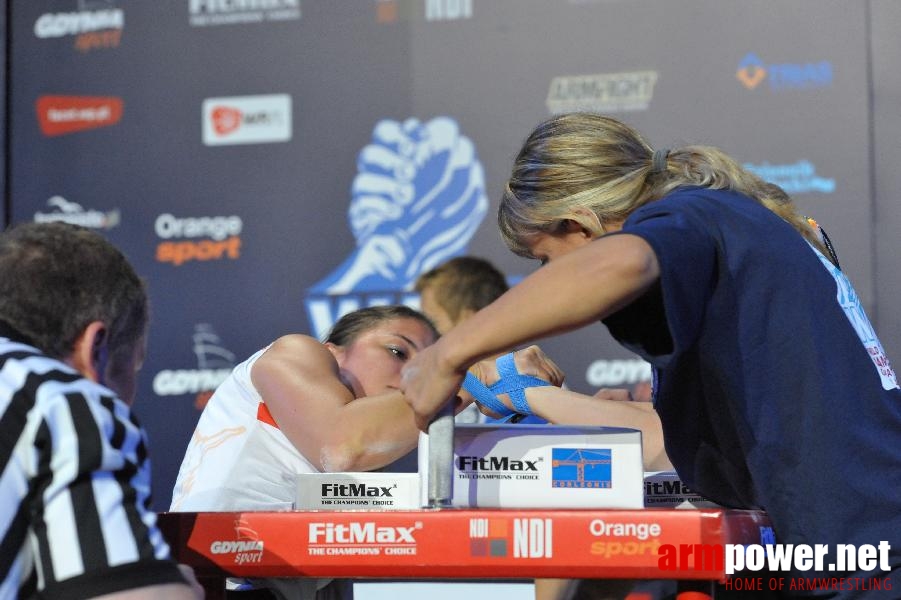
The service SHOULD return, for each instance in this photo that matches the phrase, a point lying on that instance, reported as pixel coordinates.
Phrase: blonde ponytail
(585, 160)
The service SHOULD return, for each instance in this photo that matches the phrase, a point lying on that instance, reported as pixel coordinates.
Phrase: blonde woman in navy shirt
(773, 390)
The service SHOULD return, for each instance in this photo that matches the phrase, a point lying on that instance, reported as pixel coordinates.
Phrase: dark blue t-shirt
(773, 390)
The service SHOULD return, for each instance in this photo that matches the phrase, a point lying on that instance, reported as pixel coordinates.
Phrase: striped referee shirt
(74, 484)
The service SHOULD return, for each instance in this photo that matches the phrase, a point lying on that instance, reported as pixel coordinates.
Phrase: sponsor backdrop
(271, 164)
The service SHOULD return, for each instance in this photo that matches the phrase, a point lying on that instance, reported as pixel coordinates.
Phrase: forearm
(566, 407)
(577, 288)
(572, 291)
(370, 433)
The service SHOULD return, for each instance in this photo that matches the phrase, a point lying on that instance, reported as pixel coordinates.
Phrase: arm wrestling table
(442, 542)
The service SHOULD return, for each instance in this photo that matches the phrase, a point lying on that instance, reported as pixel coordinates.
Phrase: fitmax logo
(359, 533)
(495, 463)
(356, 490)
(667, 488)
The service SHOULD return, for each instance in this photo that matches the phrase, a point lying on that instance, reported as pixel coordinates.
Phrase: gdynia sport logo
(812, 567)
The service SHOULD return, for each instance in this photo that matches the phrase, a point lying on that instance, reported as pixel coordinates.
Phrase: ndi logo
(416, 201)
(488, 537)
(581, 468)
(752, 71)
(532, 538)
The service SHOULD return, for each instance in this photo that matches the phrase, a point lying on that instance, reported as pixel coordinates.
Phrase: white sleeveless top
(237, 458)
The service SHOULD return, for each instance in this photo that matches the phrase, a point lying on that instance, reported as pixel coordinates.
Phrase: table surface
(458, 543)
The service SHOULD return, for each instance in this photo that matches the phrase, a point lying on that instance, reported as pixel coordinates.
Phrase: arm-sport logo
(60, 115)
(416, 201)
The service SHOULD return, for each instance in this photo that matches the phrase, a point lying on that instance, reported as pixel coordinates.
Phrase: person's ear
(586, 222)
(89, 354)
(336, 350)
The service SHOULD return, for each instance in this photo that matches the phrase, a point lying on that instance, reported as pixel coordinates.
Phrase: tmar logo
(59, 115)
(247, 120)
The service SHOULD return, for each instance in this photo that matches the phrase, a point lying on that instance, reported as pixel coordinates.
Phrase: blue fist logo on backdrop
(417, 200)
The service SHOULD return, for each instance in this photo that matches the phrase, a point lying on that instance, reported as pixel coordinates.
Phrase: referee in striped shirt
(74, 474)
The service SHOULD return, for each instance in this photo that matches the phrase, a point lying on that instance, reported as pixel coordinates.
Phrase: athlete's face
(371, 364)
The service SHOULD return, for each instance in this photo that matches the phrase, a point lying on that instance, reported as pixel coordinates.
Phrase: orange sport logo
(199, 239)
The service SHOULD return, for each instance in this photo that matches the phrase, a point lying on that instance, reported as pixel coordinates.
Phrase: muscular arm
(299, 381)
(576, 289)
(572, 291)
(566, 407)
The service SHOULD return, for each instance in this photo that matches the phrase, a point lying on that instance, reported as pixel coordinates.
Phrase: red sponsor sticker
(59, 115)
(226, 119)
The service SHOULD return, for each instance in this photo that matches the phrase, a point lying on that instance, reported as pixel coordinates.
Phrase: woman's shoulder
(297, 342)
(299, 350)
